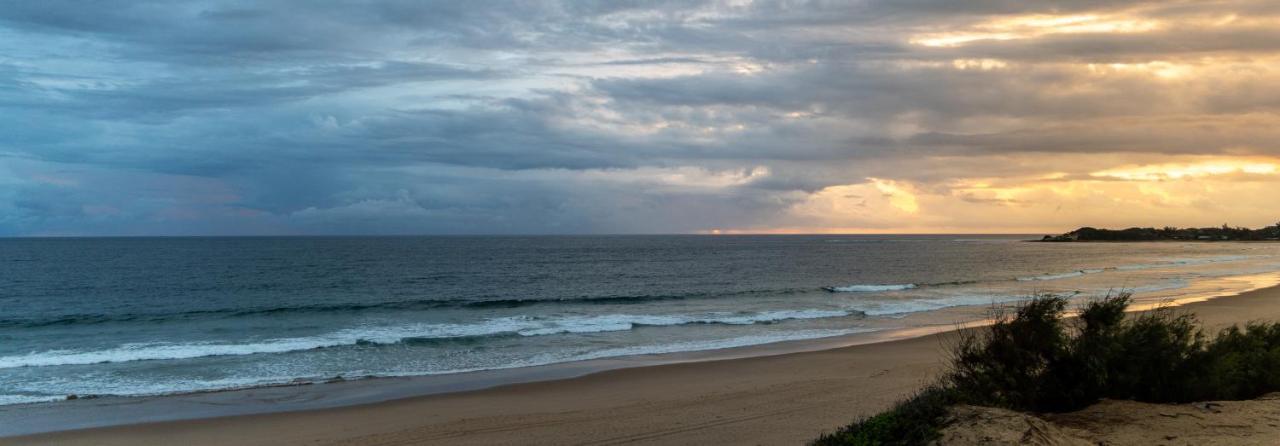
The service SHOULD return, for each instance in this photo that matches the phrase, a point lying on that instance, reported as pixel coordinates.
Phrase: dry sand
(1254, 422)
(784, 399)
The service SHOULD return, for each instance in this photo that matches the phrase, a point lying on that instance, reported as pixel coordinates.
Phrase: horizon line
(620, 234)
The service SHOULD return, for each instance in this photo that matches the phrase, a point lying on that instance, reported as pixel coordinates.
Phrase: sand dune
(1255, 422)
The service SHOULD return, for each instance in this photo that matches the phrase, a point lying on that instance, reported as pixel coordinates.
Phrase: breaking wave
(413, 334)
(415, 304)
(869, 288)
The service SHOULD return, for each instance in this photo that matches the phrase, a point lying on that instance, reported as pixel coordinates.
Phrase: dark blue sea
(146, 316)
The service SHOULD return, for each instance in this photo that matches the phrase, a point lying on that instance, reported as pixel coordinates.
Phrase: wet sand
(781, 399)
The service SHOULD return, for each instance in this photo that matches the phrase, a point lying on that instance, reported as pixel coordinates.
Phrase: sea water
(146, 316)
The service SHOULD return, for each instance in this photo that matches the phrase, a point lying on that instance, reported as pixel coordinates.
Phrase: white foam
(162, 351)
(136, 386)
(624, 322)
(899, 307)
(678, 347)
(521, 325)
(906, 306)
(716, 344)
(1055, 276)
(27, 399)
(782, 315)
(871, 288)
(153, 351)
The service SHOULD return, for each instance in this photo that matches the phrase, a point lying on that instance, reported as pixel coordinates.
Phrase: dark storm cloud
(589, 116)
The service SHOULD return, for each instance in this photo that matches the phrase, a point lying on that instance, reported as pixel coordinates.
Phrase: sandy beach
(571, 222)
(782, 399)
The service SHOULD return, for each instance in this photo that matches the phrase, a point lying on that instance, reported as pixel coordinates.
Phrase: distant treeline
(1226, 232)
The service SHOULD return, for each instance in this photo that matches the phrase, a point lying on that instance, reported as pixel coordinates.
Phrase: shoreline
(878, 368)
(311, 393)
(92, 412)
(253, 363)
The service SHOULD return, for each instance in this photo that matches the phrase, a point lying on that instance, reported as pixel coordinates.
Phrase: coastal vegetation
(1223, 233)
(1035, 359)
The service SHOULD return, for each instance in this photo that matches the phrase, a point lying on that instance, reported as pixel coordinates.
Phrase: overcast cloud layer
(408, 117)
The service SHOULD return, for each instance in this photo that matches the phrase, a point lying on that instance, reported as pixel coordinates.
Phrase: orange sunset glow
(1132, 116)
(718, 117)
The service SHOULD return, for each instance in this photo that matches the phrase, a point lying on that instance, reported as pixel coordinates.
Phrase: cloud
(389, 116)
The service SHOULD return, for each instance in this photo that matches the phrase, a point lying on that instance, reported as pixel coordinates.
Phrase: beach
(780, 399)
(387, 222)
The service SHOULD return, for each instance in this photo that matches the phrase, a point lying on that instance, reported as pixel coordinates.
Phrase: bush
(1156, 357)
(1013, 362)
(1036, 360)
(1241, 364)
(913, 421)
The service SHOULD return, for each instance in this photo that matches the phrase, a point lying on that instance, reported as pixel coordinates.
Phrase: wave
(1058, 276)
(185, 387)
(517, 303)
(907, 306)
(6, 400)
(90, 319)
(415, 304)
(426, 304)
(871, 288)
(1138, 267)
(624, 299)
(1185, 262)
(716, 344)
(891, 287)
(412, 334)
(868, 288)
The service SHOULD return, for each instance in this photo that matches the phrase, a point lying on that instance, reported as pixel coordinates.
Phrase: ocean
(149, 316)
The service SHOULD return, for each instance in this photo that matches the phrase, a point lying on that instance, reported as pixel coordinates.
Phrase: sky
(613, 116)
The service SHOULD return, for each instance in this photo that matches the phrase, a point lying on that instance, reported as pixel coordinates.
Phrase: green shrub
(1010, 363)
(1034, 359)
(911, 422)
(1241, 364)
(1157, 358)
